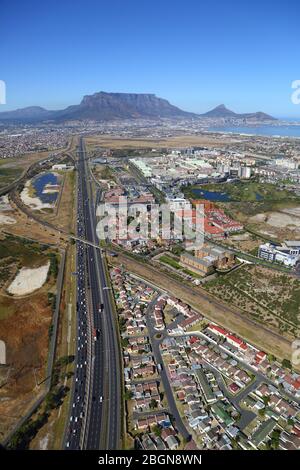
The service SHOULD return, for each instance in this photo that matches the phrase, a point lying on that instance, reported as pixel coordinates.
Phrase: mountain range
(222, 112)
(103, 106)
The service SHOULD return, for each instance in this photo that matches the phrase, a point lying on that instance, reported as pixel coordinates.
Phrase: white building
(289, 256)
(286, 163)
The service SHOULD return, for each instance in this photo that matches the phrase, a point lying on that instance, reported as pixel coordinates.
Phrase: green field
(8, 175)
(170, 261)
(27, 253)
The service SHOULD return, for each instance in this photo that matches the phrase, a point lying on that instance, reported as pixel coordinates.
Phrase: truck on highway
(95, 334)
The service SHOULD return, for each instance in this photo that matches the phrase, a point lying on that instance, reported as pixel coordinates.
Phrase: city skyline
(54, 54)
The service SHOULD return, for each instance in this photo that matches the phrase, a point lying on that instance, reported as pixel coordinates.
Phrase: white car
(101, 399)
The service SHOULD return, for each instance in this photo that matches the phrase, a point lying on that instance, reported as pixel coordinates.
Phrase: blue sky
(196, 54)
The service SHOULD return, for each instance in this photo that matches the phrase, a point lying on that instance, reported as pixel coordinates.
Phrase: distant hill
(222, 112)
(31, 113)
(104, 106)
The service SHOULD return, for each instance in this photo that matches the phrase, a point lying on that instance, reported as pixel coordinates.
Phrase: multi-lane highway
(95, 416)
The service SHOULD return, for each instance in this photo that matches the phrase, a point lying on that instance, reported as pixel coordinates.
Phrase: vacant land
(22, 252)
(177, 141)
(8, 172)
(278, 225)
(63, 216)
(27, 227)
(24, 327)
(12, 168)
(246, 242)
(270, 297)
(29, 280)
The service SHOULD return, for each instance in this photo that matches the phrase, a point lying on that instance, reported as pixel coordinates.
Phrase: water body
(217, 196)
(280, 131)
(211, 195)
(39, 184)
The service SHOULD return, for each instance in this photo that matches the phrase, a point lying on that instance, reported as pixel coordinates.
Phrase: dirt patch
(28, 280)
(25, 331)
(281, 224)
(176, 141)
(6, 220)
(63, 217)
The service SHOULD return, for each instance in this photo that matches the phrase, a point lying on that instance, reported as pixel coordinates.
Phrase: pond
(39, 184)
(211, 195)
(219, 196)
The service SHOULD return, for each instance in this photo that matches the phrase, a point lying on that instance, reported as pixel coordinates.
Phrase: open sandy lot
(176, 141)
(28, 280)
(285, 218)
(279, 224)
(6, 220)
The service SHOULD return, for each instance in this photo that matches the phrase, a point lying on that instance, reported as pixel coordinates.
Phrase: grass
(20, 250)
(170, 261)
(250, 191)
(191, 273)
(148, 143)
(8, 175)
(63, 216)
(199, 326)
(6, 311)
(105, 173)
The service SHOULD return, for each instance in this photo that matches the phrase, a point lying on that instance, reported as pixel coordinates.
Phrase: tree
(266, 400)
(128, 395)
(286, 364)
(157, 430)
(153, 404)
(271, 358)
(275, 438)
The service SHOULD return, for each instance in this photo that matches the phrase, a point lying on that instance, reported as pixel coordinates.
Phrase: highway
(95, 418)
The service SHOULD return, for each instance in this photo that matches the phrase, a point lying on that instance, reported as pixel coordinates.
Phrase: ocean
(275, 131)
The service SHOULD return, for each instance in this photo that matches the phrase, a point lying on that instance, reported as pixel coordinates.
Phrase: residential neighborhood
(190, 380)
